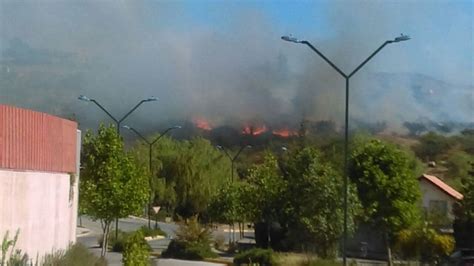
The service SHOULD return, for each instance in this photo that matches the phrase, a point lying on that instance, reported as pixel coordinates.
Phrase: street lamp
(232, 159)
(150, 151)
(117, 123)
(346, 129)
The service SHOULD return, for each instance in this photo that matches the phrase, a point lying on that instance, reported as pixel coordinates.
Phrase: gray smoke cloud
(121, 52)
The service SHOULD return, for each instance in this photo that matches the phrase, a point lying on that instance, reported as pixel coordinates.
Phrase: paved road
(90, 239)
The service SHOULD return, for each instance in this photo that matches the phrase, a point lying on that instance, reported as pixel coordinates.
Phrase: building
(438, 196)
(39, 167)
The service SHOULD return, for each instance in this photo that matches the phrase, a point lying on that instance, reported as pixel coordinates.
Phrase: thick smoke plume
(236, 72)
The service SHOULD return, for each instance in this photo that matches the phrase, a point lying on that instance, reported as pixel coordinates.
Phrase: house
(438, 196)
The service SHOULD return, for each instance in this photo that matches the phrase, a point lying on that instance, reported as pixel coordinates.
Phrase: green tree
(228, 205)
(432, 146)
(112, 184)
(264, 197)
(464, 213)
(196, 175)
(386, 182)
(314, 203)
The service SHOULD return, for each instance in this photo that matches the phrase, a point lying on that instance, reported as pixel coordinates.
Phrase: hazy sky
(225, 59)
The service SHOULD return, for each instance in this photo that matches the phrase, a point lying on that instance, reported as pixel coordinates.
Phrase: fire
(284, 132)
(254, 131)
(202, 123)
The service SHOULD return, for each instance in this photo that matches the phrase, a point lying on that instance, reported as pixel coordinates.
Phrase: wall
(31, 140)
(431, 192)
(38, 204)
(39, 154)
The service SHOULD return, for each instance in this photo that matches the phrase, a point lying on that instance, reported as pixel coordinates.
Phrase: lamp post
(150, 152)
(232, 159)
(346, 129)
(117, 123)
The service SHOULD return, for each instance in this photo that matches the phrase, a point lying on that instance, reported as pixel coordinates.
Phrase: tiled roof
(443, 186)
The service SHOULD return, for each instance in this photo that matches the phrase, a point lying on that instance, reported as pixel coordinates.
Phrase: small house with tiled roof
(437, 195)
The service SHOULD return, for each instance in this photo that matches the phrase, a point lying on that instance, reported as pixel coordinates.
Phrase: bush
(192, 242)
(75, 255)
(136, 250)
(255, 255)
(16, 257)
(188, 251)
(115, 244)
(424, 244)
(152, 231)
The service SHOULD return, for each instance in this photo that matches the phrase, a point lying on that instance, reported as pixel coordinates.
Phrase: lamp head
(401, 38)
(177, 127)
(291, 39)
(84, 98)
(151, 99)
(127, 127)
(219, 147)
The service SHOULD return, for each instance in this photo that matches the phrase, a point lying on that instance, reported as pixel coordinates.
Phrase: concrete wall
(40, 205)
(39, 173)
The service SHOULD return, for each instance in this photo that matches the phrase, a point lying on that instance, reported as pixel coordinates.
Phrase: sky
(224, 60)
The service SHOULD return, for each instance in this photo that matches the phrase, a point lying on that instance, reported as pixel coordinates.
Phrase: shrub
(75, 255)
(152, 231)
(136, 250)
(188, 251)
(255, 255)
(424, 244)
(115, 244)
(16, 257)
(192, 242)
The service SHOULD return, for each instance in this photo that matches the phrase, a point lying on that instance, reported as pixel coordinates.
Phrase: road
(90, 239)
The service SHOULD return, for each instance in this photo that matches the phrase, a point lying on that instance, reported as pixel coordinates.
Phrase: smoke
(232, 69)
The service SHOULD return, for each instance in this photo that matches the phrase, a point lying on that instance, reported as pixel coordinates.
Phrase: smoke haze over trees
(228, 64)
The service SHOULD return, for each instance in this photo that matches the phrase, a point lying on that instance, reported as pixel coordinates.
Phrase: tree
(432, 146)
(227, 206)
(464, 213)
(314, 206)
(265, 199)
(415, 128)
(387, 186)
(112, 184)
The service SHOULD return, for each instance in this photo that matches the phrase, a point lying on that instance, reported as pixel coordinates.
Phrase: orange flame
(254, 131)
(284, 132)
(202, 123)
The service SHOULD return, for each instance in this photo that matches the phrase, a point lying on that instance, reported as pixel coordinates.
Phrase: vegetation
(111, 184)
(313, 203)
(75, 255)
(464, 212)
(152, 231)
(187, 174)
(387, 187)
(136, 250)
(264, 257)
(192, 242)
(424, 244)
(11, 255)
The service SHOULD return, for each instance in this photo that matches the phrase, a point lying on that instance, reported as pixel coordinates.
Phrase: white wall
(431, 192)
(39, 204)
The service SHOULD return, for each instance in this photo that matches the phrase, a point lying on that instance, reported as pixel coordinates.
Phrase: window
(439, 207)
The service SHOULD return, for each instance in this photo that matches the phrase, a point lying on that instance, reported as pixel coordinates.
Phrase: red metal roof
(443, 186)
(36, 141)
